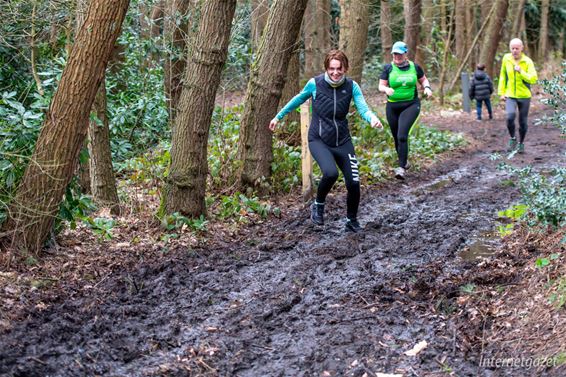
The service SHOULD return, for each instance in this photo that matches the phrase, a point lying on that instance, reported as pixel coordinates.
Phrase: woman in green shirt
(399, 81)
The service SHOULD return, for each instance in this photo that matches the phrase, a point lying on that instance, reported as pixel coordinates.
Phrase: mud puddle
(295, 302)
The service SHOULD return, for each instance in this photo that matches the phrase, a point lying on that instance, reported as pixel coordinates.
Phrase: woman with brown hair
(329, 136)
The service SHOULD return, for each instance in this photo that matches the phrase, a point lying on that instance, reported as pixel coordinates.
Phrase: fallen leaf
(417, 348)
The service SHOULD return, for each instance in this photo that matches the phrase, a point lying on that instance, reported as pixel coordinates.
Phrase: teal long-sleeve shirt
(310, 91)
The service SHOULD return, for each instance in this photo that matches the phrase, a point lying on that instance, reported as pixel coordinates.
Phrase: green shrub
(556, 88)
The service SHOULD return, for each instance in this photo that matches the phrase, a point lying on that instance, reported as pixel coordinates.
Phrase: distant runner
(517, 75)
(399, 82)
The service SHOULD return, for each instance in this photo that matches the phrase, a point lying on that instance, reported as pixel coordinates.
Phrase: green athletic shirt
(397, 76)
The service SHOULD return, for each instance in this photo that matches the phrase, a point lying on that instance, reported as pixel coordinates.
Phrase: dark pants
(401, 117)
(487, 102)
(327, 158)
(511, 106)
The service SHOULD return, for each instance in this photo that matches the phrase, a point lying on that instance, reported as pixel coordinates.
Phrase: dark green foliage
(556, 89)
(543, 194)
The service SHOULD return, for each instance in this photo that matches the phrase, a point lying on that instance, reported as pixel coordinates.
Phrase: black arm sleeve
(386, 71)
(420, 72)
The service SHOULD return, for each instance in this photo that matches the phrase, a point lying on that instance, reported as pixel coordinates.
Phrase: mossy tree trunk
(186, 183)
(267, 78)
(34, 208)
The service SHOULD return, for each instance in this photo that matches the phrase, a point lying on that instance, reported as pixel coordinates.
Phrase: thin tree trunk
(493, 35)
(443, 16)
(460, 26)
(267, 78)
(518, 18)
(83, 171)
(463, 63)
(34, 52)
(103, 181)
(175, 31)
(543, 35)
(186, 183)
(354, 34)
(470, 32)
(447, 45)
(317, 25)
(96, 174)
(292, 134)
(386, 37)
(428, 16)
(412, 14)
(33, 210)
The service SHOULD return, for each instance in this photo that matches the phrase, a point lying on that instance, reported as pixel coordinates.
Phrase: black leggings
(401, 117)
(511, 104)
(344, 156)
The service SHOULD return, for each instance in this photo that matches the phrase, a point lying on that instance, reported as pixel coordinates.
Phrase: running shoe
(512, 144)
(353, 225)
(317, 213)
(521, 148)
(399, 173)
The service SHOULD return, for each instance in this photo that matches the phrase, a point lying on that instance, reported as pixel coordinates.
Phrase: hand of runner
(428, 92)
(389, 91)
(273, 124)
(376, 123)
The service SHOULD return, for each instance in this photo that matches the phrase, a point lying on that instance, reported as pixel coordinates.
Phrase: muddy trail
(294, 300)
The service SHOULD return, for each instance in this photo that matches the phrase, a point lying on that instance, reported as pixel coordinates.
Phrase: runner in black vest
(399, 82)
(329, 137)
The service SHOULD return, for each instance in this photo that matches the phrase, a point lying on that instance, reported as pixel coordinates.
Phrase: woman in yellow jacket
(517, 75)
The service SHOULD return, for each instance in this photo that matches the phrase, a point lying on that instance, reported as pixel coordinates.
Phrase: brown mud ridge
(293, 300)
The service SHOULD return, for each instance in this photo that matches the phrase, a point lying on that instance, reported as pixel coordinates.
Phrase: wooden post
(306, 157)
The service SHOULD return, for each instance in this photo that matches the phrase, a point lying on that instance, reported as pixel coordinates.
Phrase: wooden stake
(306, 157)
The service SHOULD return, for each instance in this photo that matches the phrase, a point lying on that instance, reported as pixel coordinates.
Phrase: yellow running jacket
(514, 84)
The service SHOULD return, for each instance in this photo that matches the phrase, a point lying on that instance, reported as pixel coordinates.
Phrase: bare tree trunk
(157, 13)
(460, 28)
(39, 195)
(267, 78)
(412, 14)
(543, 35)
(83, 171)
(186, 183)
(493, 35)
(464, 61)
(33, 48)
(354, 34)
(103, 181)
(260, 11)
(96, 174)
(386, 37)
(470, 32)
(428, 17)
(317, 24)
(443, 16)
(447, 45)
(175, 30)
(290, 128)
(518, 18)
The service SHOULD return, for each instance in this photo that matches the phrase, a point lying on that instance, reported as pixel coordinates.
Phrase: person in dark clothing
(329, 136)
(399, 81)
(481, 89)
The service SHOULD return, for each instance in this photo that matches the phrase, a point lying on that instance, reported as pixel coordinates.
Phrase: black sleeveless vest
(329, 110)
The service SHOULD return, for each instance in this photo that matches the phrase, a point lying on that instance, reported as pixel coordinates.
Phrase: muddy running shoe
(521, 148)
(399, 173)
(353, 226)
(317, 213)
(512, 145)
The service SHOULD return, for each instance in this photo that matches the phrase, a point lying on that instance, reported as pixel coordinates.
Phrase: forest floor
(283, 298)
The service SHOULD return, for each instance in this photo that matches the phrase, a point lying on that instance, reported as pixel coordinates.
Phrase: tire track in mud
(299, 302)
